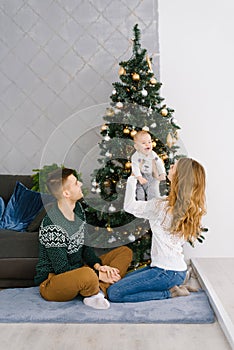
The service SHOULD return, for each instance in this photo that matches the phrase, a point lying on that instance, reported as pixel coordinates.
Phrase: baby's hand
(142, 180)
(162, 177)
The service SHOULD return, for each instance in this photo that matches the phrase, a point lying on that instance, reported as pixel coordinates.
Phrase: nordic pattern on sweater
(61, 244)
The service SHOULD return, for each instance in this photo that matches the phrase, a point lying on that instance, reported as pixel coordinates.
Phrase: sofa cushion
(21, 209)
(7, 184)
(2, 207)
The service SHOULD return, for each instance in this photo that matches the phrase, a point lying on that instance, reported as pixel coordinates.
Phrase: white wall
(197, 72)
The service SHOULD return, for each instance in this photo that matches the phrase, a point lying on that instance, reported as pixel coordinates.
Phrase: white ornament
(112, 239)
(153, 125)
(144, 92)
(117, 110)
(112, 170)
(119, 105)
(114, 92)
(111, 208)
(94, 183)
(93, 189)
(98, 190)
(131, 237)
(145, 128)
(108, 154)
(107, 138)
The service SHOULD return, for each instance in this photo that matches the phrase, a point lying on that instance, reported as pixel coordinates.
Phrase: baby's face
(143, 144)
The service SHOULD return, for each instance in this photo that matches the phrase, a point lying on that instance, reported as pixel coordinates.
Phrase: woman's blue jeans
(147, 283)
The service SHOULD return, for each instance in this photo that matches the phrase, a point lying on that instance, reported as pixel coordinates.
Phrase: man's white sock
(97, 301)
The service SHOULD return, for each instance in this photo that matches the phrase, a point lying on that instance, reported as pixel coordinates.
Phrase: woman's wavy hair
(186, 200)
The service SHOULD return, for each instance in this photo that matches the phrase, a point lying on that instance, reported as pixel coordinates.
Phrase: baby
(147, 167)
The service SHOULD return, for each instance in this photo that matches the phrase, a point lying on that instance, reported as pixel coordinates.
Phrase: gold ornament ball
(122, 71)
(104, 127)
(126, 131)
(133, 132)
(164, 112)
(153, 81)
(110, 112)
(154, 144)
(109, 229)
(106, 183)
(128, 165)
(135, 76)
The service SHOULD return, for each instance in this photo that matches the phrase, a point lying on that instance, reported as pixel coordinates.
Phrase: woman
(173, 221)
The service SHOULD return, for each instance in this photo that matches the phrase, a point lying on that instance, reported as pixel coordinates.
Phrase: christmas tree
(135, 105)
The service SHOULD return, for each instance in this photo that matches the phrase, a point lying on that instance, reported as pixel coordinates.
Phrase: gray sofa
(18, 250)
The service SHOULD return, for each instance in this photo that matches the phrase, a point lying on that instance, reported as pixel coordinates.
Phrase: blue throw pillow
(2, 207)
(22, 208)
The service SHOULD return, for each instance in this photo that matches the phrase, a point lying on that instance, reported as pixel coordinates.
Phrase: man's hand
(109, 274)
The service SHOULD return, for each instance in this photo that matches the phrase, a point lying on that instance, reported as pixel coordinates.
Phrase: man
(66, 266)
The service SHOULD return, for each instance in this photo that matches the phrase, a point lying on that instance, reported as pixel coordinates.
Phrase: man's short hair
(56, 179)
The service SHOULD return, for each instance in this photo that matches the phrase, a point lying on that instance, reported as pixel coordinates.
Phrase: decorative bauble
(126, 131)
(164, 156)
(112, 239)
(144, 92)
(110, 112)
(154, 144)
(145, 128)
(164, 112)
(94, 183)
(131, 237)
(122, 71)
(112, 171)
(169, 140)
(119, 105)
(109, 229)
(93, 190)
(128, 165)
(117, 111)
(106, 183)
(135, 76)
(104, 127)
(111, 208)
(153, 125)
(114, 92)
(98, 190)
(107, 137)
(108, 154)
(133, 132)
(153, 81)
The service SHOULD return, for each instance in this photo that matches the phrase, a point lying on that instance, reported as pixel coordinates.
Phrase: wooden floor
(217, 273)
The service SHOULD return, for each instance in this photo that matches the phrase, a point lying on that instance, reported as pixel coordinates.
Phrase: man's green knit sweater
(61, 244)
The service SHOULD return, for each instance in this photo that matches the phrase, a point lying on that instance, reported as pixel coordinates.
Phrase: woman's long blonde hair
(186, 200)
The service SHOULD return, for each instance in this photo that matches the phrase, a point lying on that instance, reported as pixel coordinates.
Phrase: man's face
(73, 187)
(143, 144)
